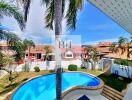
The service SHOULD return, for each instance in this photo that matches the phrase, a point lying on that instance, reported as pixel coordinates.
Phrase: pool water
(43, 87)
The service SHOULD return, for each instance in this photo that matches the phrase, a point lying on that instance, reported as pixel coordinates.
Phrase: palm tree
(18, 47)
(113, 47)
(55, 13)
(27, 45)
(14, 43)
(11, 11)
(11, 39)
(129, 46)
(48, 50)
(5, 64)
(92, 54)
(122, 45)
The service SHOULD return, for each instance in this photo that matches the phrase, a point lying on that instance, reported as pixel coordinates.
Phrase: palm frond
(79, 4)
(2, 34)
(26, 6)
(71, 15)
(47, 2)
(12, 11)
(50, 15)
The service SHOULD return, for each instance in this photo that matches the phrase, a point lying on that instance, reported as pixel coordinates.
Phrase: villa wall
(125, 71)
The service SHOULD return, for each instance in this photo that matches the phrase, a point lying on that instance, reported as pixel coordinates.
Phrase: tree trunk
(28, 53)
(58, 31)
(92, 64)
(128, 54)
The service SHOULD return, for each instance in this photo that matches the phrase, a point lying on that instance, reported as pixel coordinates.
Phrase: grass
(94, 72)
(5, 86)
(114, 82)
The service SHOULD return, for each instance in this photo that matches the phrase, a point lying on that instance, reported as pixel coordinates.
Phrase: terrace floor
(91, 97)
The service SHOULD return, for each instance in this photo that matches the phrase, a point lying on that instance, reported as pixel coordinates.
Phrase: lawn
(93, 72)
(23, 76)
(114, 82)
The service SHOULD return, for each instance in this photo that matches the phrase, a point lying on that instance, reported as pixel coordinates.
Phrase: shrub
(36, 69)
(123, 62)
(26, 67)
(72, 67)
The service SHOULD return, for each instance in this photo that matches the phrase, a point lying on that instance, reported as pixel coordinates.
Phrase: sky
(92, 26)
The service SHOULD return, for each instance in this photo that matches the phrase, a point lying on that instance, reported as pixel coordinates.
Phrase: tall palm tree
(10, 11)
(55, 13)
(58, 32)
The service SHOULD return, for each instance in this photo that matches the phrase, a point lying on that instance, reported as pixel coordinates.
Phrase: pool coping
(100, 86)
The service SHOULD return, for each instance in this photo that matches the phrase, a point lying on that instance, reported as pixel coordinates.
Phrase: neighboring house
(103, 47)
(72, 52)
(4, 48)
(37, 53)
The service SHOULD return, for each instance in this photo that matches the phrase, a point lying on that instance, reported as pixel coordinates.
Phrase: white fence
(121, 70)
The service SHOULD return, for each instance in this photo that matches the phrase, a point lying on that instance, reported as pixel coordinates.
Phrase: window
(69, 55)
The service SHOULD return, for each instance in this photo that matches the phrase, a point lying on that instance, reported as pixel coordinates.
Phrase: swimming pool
(43, 87)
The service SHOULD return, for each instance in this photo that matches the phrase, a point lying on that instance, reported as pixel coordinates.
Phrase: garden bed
(115, 82)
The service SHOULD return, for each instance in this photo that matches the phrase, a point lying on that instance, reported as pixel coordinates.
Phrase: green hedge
(36, 69)
(72, 67)
(123, 62)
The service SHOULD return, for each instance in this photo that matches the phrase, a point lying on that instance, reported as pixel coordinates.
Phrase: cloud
(35, 27)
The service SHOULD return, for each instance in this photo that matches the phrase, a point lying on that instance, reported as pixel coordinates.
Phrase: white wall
(125, 71)
(42, 65)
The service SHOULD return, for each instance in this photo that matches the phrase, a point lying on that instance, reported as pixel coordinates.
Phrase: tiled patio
(91, 97)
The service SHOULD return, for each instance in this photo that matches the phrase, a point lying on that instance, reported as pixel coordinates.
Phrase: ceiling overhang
(118, 10)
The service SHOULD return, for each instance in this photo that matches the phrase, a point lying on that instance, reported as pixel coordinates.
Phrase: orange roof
(119, 55)
(104, 44)
(3, 44)
(103, 49)
(40, 49)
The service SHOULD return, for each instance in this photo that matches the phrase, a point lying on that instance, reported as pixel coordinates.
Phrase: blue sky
(92, 26)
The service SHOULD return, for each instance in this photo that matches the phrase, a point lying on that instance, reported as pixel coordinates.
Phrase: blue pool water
(43, 87)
